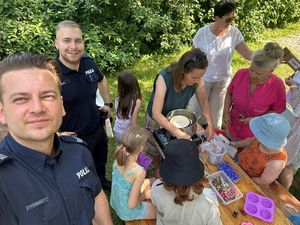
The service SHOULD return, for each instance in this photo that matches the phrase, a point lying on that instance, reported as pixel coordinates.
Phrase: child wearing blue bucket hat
(264, 159)
(178, 196)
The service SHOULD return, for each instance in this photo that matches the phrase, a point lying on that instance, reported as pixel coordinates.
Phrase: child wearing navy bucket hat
(264, 158)
(178, 195)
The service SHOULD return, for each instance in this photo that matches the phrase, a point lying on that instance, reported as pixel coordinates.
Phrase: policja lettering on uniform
(83, 172)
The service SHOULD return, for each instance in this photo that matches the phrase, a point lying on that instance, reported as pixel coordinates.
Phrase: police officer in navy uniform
(80, 79)
(44, 178)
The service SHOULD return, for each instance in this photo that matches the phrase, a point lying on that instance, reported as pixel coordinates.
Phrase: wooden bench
(282, 198)
(140, 222)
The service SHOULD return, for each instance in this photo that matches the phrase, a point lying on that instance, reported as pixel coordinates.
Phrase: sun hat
(271, 130)
(181, 165)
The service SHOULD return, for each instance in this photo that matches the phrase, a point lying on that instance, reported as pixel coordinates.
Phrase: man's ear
(63, 108)
(2, 114)
(56, 43)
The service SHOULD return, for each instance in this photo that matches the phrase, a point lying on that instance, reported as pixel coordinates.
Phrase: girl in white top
(219, 40)
(127, 104)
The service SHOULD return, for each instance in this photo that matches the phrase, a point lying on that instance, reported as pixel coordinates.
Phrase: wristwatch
(109, 104)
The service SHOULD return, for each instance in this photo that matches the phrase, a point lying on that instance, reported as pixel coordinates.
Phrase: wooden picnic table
(245, 184)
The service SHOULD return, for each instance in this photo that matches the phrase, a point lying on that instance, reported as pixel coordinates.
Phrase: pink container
(259, 206)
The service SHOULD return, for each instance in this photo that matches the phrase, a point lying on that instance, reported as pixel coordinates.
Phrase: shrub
(117, 32)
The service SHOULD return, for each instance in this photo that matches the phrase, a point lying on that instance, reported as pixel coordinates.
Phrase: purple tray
(259, 206)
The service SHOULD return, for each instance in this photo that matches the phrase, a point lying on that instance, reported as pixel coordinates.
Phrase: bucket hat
(181, 165)
(271, 130)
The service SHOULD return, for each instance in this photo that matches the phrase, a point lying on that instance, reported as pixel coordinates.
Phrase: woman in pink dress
(254, 91)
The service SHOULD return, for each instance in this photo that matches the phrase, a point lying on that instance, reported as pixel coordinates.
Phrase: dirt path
(292, 42)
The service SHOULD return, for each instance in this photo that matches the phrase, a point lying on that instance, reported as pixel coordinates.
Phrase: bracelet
(294, 86)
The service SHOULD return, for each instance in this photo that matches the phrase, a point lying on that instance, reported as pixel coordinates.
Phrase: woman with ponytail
(254, 91)
(129, 186)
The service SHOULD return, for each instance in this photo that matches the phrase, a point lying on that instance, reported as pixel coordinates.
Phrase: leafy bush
(117, 32)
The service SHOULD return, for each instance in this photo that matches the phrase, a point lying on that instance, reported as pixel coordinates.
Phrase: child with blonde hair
(129, 186)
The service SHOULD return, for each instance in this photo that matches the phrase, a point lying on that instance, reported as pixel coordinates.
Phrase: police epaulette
(3, 158)
(72, 139)
(87, 55)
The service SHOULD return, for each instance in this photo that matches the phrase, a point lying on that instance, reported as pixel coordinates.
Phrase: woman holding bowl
(254, 91)
(173, 88)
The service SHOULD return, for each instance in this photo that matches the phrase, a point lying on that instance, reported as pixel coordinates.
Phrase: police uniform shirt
(37, 189)
(79, 92)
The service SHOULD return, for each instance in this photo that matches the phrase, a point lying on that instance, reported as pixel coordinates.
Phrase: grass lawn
(147, 68)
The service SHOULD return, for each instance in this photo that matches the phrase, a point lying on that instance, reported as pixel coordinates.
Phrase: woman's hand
(209, 132)
(182, 135)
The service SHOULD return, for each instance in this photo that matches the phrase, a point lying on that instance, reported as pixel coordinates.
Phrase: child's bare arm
(135, 113)
(135, 196)
(243, 143)
(270, 173)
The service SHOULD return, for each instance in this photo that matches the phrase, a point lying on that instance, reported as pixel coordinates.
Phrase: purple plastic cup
(259, 206)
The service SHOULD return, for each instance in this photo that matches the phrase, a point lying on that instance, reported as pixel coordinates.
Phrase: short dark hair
(193, 59)
(26, 61)
(223, 8)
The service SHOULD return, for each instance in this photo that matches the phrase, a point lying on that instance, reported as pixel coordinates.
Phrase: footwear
(106, 184)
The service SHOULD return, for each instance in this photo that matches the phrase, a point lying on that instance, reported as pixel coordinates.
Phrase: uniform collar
(31, 157)
(66, 70)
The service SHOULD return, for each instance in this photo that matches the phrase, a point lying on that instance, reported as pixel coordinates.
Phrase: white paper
(108, 128)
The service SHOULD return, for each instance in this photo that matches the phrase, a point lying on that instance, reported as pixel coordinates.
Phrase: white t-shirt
(219, 51)
(202, 210)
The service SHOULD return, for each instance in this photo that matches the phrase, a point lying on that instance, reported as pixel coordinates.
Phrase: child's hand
(289, 81)
(147, 193)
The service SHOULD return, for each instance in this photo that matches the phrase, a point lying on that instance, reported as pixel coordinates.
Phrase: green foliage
(117, 32)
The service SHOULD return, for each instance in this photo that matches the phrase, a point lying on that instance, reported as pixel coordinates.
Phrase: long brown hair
(183, 192)
(194, 59)
(128, 92)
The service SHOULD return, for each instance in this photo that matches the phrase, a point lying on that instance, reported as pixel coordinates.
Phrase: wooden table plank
(141, 222)
(245, 184)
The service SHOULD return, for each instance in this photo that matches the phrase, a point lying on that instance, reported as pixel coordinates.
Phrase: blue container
(230, 172)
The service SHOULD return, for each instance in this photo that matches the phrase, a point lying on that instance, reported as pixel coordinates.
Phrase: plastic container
(224, 188)
(230, 172)
(216, 158)
(259, 206)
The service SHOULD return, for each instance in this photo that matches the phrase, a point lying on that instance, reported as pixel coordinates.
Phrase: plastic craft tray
(259, 206)
(234, 189)
(230, 172)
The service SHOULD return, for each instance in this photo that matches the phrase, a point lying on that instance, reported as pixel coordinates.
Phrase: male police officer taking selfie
(44, 178)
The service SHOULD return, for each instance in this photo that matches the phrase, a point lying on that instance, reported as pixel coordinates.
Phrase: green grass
(148, 67)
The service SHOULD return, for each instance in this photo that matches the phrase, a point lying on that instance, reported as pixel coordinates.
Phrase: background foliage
(117, 32)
